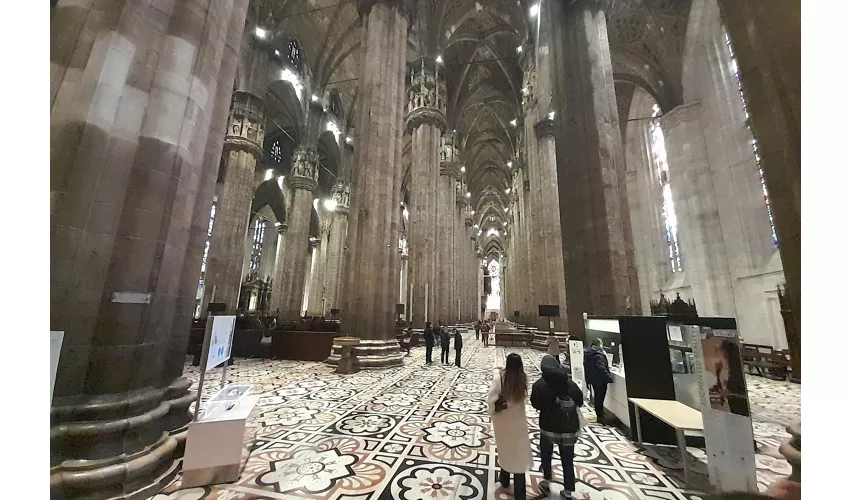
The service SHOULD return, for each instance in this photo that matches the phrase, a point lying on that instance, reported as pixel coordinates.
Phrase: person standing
(553, 347)
(598, 376)
(485, 331)
(444, 344)
(458, 347)
(429, 343)
(477, 329)
(558, 399)
(506, 405)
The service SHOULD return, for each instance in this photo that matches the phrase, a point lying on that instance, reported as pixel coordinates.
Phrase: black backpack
(566, 408)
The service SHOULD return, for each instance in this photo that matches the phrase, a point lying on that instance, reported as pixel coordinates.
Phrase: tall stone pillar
(589, 149)
(315, 303)
(336, 244)
(369, 291)
(426, 121)
(446, 200)
(700, 232)
(766, 41)
(242, 149)
(303, 180)
(134, 145)
(460, 279)
(279, 265)
(550, 230)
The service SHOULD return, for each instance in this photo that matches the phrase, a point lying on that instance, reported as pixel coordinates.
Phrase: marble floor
(417, 432)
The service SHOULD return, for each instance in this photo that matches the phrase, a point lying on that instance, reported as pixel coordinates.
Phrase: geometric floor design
(417, 432)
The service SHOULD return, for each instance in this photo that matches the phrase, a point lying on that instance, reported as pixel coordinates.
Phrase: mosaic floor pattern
(422, 432)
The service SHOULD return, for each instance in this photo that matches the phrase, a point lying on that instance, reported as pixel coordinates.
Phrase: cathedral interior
(332, 172)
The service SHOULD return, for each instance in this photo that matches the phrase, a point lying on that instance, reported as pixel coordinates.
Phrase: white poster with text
(221, 340)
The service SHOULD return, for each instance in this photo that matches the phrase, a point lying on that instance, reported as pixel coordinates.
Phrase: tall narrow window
(494, 300)
(276, 152)
(257, 246)
(753, 143)
(293, 53)
(668, 211)
(199, 296)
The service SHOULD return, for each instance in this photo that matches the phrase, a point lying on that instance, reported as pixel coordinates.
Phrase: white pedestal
(214, 444)
(617, 399)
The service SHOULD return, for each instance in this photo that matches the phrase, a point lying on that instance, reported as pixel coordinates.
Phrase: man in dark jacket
(444, 344)
(598, 376)
(477, 329)
(458, 347)
(429, 342)
(557, 424)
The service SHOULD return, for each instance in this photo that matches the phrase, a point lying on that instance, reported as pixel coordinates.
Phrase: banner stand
(205, 352)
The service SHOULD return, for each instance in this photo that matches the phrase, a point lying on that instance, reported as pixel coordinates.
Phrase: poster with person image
(728, 428)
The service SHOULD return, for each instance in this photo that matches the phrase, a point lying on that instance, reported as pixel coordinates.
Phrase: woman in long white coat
(509, 423)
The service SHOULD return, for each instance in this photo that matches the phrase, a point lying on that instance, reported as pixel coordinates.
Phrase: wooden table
(675, 414)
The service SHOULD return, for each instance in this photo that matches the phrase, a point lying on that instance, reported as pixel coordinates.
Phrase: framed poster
(221, 340)
(577, 362)
(725, 408)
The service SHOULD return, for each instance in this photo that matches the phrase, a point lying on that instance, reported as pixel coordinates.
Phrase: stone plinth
(370, 354)
(347, 362)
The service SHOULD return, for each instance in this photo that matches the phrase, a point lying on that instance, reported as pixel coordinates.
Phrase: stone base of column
(371, 354)
(113, 422)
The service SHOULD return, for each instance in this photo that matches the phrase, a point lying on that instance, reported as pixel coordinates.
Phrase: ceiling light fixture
(439, 59)
(506, 209)
(269, 174)
(513, 122)
(508, 191)
(551, 115)
(349, 140)
(472, 212)
(510, 164)
(519, 49)
(468, 195)
(462, 170)
(277, 52)
(314, 98)
(260, 32)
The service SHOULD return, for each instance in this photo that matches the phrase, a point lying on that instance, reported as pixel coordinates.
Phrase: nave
(417, 432)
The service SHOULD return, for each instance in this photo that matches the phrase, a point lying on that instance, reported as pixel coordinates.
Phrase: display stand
(215, 438)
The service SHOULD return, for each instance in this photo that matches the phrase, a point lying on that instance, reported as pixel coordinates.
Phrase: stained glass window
(257, 246)
(207, 246)
(753, 143)
(668, 211)
(293, 53)
(276, 153)
(494, 300)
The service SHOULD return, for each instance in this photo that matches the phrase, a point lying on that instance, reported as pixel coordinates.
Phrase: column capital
(426, 90)
(544, 127)
(684, 112)
(305, 169)
(341, 193)
(246, 124)
(282, 227)
(364, 7)
(451, 169)
(315, 242)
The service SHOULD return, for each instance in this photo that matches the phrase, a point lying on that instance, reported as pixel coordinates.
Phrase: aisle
(410, 432)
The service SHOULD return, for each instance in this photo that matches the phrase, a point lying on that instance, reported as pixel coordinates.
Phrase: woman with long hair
(506, 404)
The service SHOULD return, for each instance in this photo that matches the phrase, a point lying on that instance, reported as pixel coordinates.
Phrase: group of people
(442, 334)
(557, 398)
(482, 329)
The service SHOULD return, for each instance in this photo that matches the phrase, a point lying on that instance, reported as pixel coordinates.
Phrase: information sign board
(221, 340)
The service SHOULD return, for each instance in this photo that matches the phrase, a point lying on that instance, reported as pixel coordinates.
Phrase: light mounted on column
(330, 204)
(468, 194)
(551, 115)
(508, 191)
(463, 170)
(439, 59)
(534, 10)
(513, 122)
(510, 164)
(261, 33)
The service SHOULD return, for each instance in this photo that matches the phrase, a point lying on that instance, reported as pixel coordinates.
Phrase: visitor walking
(485, 331)
(598, 376)
(458, 347)
(444, 344)
(553, 347)
(477, 329)
(506, 405)
(429, 342)
(557, 398)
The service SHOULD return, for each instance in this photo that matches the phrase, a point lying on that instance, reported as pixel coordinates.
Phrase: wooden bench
(767, 362)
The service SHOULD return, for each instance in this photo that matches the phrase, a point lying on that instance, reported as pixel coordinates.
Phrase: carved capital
(682, 113)
(281, 229)
(364, 7)
(305, 169)
(422, 116)
(246, 124)
(451, 169)
(544, 128)
(461, 200)
(341, 193)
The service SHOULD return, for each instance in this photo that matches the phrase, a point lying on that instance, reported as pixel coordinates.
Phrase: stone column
(766, 41)
(368, 292)
(460, 278)
(134, 141)
(550, 231)
(303, 180)
(242, 149)
(589, 147)
(426, 121)
(336, 244)
(315, 305)
(446, 195)
(279, 265)
(700, 231)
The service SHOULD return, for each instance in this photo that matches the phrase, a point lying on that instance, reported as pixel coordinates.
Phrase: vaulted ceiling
(478, 41)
